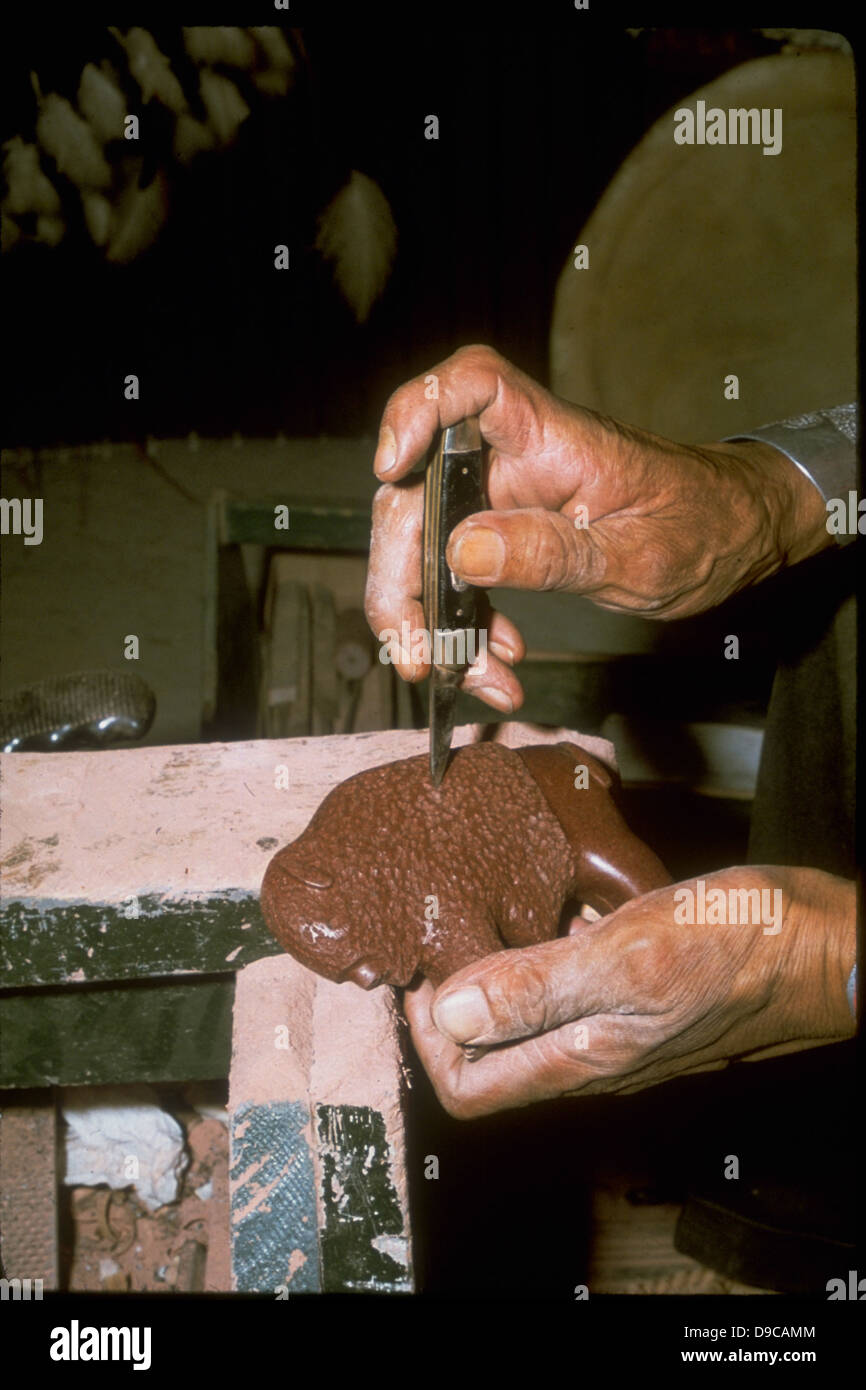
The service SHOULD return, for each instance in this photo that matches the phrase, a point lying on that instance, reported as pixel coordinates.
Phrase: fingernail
(504, 653)
(480, 554)
(463, 1015)
(408, 669)
(386, 453)
(497, 698)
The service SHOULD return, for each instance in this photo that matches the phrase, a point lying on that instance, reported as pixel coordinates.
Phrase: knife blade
(453, 490)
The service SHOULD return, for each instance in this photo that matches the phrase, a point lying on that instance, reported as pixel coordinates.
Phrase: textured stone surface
(349, 898)
(394, 875)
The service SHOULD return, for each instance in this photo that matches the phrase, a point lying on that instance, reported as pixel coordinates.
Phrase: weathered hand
(578, 502)
(641, 996)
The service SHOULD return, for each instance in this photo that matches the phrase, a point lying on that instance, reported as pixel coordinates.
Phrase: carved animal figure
(394, 876)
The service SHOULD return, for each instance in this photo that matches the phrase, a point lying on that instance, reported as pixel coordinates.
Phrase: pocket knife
(453, 490)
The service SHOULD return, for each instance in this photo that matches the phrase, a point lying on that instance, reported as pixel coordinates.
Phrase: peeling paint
(46, 938)
(360, 1210)
(396, 1247)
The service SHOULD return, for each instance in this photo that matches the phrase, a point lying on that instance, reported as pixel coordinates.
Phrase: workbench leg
(318, 1161)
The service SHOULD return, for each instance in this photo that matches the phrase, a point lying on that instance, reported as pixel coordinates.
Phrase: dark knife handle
(453, 490)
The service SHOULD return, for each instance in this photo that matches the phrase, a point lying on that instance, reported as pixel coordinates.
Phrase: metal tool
(453, 490)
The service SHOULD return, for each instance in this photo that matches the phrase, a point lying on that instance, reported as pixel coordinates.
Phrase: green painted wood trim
(210, 612)
(80, 1036)
(46, 942)
(363, 1240)
(273, 1206)
(312, 525)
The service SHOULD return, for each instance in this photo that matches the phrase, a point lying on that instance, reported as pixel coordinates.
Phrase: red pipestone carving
(394, 876)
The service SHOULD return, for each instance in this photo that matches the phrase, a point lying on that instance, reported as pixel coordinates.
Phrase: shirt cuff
(823, 445)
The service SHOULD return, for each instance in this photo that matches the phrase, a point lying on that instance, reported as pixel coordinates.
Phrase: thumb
(527, 549)
(519, 993)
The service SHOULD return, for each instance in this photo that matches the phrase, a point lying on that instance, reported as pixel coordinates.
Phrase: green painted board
(363, 1241)
(152, 1031)
(46, 942)
(312, 525)
(327, 1221)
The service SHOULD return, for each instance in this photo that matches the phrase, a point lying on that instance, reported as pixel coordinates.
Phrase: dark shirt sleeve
(823, 445)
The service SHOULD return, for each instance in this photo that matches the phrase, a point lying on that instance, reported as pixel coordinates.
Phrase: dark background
(532, 128)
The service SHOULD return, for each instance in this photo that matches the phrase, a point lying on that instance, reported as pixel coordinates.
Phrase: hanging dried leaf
(151, 69)
(51, 230)
(97, 215)
(70, 141)
(277, 76)
(357, 232)
(10, 232)
(273, 43)
(29, 189)
(191, 137)
(219, 43)
(272, 83)
(224, 104)
(101, 103)
(138, 219)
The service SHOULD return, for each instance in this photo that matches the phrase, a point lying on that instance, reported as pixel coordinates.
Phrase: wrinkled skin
(394, 876)
(636, 998)
(674, 529)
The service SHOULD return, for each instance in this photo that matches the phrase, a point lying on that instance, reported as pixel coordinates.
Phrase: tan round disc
(707, 261)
